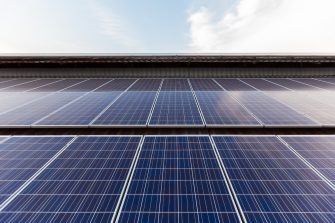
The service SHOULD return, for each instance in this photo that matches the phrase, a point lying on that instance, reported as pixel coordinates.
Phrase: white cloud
(265, 26)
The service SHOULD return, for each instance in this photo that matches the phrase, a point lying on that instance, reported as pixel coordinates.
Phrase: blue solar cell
(57, 86)
(177, 179)
(219, 108)
(176, 108)
(116, 85)
(82, 111)
(175, 85)
(32, 85)
(270, 111)
(271, 183)
(88, 85)
(72, 188)
(233, 84)
(319, 151)
(132, 108)
(22, 157)
(32, 112)
(205, 85)
(146, 85)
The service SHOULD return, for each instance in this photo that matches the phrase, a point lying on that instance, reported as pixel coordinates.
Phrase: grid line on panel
(290, 191)
(154, 104)
(70, 103)
(308, 163)
(33, 177)
(20, 83)
(197, 102)
(108, 106)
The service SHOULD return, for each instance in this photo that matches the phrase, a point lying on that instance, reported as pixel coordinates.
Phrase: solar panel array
(167, 102)
(189, 178)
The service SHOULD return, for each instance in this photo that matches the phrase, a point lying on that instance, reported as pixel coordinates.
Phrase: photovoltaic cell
(116, 85)
(31, 85)
(22, 157)
(132, 108)
(316, 83)
(32, 112)
(317, 150)
(57, 86)
(272, 184)
(82, 185)
(177, 179)
(233, 84)
(175, 85)
(293, 85)
(263, 85)
(328, 79)
(270, 111)
(146, 85)
(6, 79)
(204, 85)
(82, 111)
(219, 108)
(176, 108)
(88, 85)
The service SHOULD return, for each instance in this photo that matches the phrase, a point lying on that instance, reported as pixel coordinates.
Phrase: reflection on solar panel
(57, 86)
(329, 80)
(146, 85)
(22, 157)
(83, 184)
(293, 85)
(177, 179)
(272, 183)
(219, 108)
(204, 85)
(318, 151)
(234, 85)
(263, 85)
(270, 111)
(82, 111)
(316, 83)
(32, 112)
(175, 85)
(176, 108)
(116, 85)
(319, 111)
(16, 82)
(132, 108)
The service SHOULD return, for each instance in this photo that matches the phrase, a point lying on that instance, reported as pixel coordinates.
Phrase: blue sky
(172, 26)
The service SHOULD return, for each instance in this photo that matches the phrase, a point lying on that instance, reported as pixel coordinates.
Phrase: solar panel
(263, 85)
(32, 85)
(272, 184)
(177, 179)
(316, 109)
(317, 150)
(22, 157)
(328, 79)
(82, 111)
(231, 84)
(6, 79)
(219, 108)
(83, 184)
(270, 111)
(16, 82)
(146, 85)
(175, 109)
(116, 85)
(293, 85)
(32, 112)
(204, 85)
(316, 83)
(57, 86)
(88, 85)
(132, 108)
(175, 85)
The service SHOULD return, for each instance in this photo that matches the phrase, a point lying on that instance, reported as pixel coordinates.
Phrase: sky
(170, 26)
